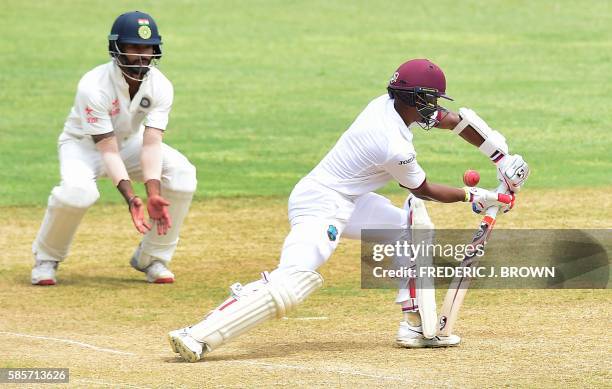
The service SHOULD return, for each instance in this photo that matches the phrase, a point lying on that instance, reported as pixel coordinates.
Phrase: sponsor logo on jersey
(115, 108)
(90, 118)
(407, 161)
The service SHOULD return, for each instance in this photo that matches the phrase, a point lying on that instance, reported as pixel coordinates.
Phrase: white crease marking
(69, 341)
(318, 370)
(306, 318)
(111, 384)
(251, 363)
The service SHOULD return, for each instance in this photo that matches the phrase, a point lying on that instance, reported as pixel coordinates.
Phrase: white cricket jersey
(375, 149)
(102, 104)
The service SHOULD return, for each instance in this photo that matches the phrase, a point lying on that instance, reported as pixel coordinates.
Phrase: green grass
(264, 88)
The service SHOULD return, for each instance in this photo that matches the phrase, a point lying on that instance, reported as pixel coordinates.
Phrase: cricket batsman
(115, 129)
(336, 199)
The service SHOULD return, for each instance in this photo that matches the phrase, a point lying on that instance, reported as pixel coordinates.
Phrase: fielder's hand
(482, 199)
(157, 207)
(136, 207)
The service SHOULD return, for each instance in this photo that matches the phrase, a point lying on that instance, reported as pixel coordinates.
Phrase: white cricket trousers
(80, 168)
(319, 216)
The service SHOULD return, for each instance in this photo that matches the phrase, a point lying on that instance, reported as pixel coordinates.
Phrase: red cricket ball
(471, 178)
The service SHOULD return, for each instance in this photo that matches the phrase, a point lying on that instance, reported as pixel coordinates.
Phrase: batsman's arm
(450, 120)
(438, 192)
(474, 130)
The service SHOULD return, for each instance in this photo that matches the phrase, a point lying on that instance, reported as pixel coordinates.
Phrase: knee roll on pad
(420, 217)
(254, 304)
(74, 196)
(66, 206)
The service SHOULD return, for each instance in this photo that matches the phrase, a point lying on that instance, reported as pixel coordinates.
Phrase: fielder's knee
(75, 196)
(182, 178)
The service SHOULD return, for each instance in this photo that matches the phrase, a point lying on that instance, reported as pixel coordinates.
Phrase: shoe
(43, 273)
(158, 273)
(412, 337)
(184, 344)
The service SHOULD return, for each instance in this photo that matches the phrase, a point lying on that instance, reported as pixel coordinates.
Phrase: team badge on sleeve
(332, 232)
(145, 102)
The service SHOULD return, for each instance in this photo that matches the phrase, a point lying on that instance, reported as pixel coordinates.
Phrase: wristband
(468, 195)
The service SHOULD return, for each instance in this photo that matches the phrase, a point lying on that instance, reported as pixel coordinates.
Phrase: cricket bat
(459, 285)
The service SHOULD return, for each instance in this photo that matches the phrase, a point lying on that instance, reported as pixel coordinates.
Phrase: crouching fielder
(115, 130)
(336, 200)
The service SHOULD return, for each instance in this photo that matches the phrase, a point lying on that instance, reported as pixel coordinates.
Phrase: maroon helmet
(419, 83)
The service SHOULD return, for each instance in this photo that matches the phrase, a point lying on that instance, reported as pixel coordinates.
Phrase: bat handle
(492, 211)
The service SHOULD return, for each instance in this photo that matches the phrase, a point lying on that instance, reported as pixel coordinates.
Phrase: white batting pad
(422, 233)
(65, 210)
(272, 296)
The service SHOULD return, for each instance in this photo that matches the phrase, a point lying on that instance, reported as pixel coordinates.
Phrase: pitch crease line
(318, 370)
(306, 318)
(111, 384)
(69, 341)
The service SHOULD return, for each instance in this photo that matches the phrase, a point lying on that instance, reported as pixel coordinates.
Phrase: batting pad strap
(256, 303)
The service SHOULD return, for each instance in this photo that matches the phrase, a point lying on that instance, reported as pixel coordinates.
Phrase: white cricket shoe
(183, 343)
(158, 273)
(412, 337)
(43, 273)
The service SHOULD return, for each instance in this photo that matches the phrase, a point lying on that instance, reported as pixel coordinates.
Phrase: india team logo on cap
(144, 32)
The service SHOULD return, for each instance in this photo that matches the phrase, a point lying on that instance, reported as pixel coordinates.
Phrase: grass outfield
(340, 337)
(262, 91)
(264, 88)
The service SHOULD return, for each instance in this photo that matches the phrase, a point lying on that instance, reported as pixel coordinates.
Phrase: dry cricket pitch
(109, 327)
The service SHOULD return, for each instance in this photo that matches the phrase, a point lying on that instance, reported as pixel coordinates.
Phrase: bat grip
(492, 211)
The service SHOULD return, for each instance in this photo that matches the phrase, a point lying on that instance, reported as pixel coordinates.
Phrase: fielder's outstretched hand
(157, 207)
(136, 207)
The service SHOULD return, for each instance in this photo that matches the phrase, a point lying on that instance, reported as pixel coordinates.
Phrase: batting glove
(482, 199)
(513, 170)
